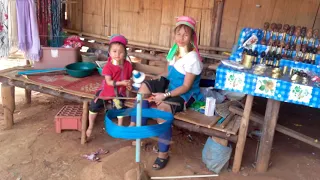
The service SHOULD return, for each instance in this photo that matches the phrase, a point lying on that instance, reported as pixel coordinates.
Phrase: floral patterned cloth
(283, 89)
(4, 40)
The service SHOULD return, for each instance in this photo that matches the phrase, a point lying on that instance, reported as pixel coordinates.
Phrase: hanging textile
(4, 40)
(28, 32)
(49, 20)
(56, 10)
(13, 26)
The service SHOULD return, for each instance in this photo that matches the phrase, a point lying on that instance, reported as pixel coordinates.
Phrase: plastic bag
(210, 92)
(215, 155)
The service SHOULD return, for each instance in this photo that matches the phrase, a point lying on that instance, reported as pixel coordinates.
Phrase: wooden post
(270, 122)
(7, 93)
(84, 121)
(217, 19)
(27, 96)
(242, 134)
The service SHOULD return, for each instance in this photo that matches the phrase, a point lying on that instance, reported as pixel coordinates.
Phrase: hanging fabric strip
(13, 26)
(56, 23)
(28, 32)
(4, 40)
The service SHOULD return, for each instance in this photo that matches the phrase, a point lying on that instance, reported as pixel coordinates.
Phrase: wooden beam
(135, 43)
(270, 122)
(84, 121)
(149, 56)
(215, 35)
(204, 130)
(8, 104)
(242, 134)
(284, 130)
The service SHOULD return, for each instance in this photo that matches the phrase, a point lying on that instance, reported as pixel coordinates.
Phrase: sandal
(161, 163)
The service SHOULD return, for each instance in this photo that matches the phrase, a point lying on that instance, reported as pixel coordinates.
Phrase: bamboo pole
(270, 122)
(8, 104)
(84, 121)
(242, 134)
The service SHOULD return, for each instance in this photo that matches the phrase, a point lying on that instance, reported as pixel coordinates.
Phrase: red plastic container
(57, 57)
(69, 118)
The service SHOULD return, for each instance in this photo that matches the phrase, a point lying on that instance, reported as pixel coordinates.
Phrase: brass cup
(247, 61)
(295, 78)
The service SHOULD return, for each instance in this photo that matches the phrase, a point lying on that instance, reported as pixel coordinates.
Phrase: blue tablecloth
(282, 89)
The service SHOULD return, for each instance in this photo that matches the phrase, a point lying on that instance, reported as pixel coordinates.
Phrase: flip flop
(161, 162)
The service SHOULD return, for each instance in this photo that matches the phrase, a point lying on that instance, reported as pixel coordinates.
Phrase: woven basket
(89, 57)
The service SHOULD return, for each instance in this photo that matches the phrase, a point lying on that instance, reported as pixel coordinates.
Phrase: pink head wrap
(118, 38)
(190, 22)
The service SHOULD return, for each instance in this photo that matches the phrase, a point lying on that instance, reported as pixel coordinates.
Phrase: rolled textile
(4, 40)
(28, 32)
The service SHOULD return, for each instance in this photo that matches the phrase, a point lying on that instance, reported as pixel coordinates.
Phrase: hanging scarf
(56, 10)
(13, 26)
(4, 40)
(188, 21)
(28, 33)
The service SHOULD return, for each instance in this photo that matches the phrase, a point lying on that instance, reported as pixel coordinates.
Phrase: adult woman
(180, 83)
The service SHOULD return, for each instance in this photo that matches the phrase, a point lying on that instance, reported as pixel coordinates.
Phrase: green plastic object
(172, 52)
(100, 70)
(80, 69)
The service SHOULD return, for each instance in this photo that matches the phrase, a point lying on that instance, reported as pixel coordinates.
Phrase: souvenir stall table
(256, 70)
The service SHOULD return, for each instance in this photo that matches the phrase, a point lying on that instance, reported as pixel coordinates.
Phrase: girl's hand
(158, 97)
(125, 83)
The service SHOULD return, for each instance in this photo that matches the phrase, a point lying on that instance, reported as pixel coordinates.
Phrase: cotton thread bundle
(137, 132)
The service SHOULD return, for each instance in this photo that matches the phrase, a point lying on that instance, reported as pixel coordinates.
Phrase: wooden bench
(197, 122)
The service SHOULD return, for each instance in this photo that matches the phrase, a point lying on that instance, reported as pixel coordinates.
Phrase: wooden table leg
(242, 134)
(27, 95)
(7, 94)
(269, 125)
(84, 121)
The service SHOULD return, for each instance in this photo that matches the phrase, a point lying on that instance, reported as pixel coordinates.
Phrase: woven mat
(87, 85)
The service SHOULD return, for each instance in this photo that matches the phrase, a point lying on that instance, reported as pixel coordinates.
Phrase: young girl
(117, 72)
(179, 84)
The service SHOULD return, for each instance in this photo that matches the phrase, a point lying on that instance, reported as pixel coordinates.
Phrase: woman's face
(117, 52)
(183, 36)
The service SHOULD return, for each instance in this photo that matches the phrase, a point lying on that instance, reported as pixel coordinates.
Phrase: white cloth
(189, 63)
(13, 26)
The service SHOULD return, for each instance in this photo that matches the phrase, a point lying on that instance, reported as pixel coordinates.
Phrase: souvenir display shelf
(286, 75)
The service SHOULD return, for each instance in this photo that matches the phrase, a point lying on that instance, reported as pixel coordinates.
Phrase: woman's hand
(158, 97)
(129, 86)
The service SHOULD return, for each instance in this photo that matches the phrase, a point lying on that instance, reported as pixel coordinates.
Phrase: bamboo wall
(238, 14)
(146, 21)
(152, 21)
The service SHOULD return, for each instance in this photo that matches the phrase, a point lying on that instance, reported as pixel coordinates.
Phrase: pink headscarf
(118, 38)
(190, 22)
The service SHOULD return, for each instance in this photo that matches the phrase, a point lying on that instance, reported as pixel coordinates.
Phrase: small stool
(69, 118)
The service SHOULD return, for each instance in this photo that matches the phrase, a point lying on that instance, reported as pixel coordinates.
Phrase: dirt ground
(33, 150)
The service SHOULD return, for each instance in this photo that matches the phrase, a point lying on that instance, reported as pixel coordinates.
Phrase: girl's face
(183, 36)
(117, 52)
